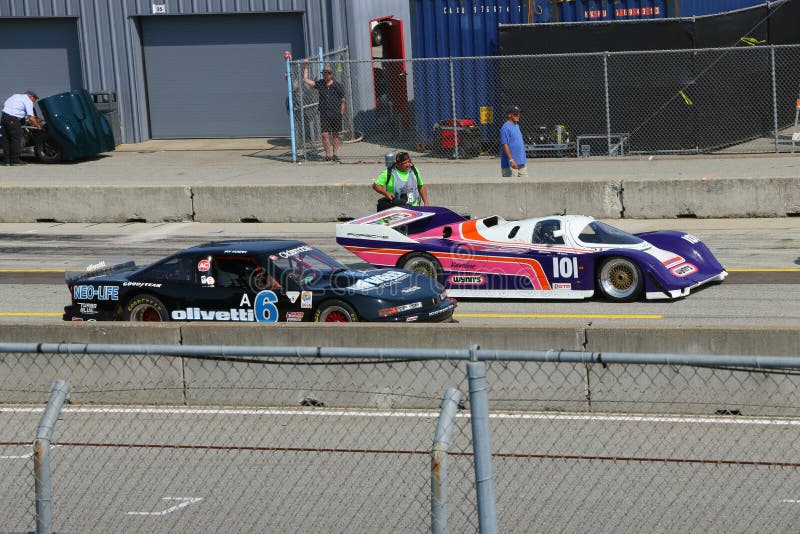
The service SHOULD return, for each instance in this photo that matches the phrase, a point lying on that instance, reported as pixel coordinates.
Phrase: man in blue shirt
(512, 147)
(16, 110)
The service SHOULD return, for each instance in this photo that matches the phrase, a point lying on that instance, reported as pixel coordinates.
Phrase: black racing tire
(619, 279)
(335, 311)
(145, 308)
(423, 263)
(47, 151)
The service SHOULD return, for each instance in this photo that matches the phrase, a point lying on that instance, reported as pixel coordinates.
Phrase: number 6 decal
(266, 311)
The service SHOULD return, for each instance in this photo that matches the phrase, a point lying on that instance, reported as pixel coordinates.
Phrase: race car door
(232, 287)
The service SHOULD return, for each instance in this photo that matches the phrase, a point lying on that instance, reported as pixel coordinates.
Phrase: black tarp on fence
(693, 99)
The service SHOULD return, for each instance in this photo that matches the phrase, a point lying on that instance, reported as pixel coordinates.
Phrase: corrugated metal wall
(112, 51)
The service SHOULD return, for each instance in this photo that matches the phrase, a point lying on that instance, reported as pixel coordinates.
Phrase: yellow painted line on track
(556, 316)
(30, 314)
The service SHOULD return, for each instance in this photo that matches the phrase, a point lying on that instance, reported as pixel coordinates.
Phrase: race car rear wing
(395, 224)
(108, 266)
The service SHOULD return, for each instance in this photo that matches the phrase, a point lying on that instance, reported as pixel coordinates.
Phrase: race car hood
(75, 124)
(384, 283)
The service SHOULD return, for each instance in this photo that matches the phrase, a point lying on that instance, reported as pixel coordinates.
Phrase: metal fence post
(441, 445)
(41, 456)
(608, 104)
(453, 104)
(288, 57)
(481, 442)
(774, 97)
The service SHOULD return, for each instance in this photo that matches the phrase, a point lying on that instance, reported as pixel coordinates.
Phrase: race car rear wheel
(47, 151)
(145, 308)
(335, 311)
(619, 279)
(423, 263)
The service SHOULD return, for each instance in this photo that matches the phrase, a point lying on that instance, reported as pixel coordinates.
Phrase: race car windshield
(600, 233)
(304, 264)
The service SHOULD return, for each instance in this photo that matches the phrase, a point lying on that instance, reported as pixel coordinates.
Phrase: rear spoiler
(99, 268)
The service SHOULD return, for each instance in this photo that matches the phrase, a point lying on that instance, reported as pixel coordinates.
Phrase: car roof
(251, 246)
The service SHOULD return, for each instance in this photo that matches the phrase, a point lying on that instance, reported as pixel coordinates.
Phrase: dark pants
(12, 137)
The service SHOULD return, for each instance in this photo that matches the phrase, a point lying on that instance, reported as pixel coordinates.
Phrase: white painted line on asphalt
(186, 502)
(722, 420)
(791, 500)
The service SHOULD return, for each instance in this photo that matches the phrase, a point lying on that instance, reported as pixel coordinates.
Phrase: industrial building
(216, 68)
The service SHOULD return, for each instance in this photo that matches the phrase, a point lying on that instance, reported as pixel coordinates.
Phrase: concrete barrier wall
(169, 380)
(96, 203)
(711, 197)
(631, 198)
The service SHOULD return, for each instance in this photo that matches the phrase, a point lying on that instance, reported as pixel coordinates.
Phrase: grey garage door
(219, 75)
(41, 54)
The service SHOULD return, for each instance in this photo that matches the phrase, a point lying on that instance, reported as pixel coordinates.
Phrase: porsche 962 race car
(252, 281)
(557, 257)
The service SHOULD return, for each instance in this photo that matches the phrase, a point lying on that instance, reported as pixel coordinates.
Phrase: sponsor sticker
(140, 284)
(406, 307)
(411, 289)
(412, 318)
(207, 280)
(690, 238)
(379, 280)
(562, 286)
(467, 279)
(198, 314)
(203, 266)
(88, 308)
(294, 251)
(293, 295)
(305, 299)
(95, 266)
(95, 293)
(294, 317)
(683, 270)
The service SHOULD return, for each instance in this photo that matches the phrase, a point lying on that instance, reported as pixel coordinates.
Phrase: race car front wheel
(619, 279)
(145, 308)
(423, 263)
(335, 311)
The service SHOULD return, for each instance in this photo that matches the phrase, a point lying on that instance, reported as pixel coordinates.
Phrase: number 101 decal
(565, 267)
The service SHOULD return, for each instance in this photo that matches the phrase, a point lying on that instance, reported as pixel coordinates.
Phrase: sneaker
(336, 158)
(327, 158)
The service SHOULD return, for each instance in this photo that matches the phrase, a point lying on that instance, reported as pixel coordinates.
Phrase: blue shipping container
(462, 28)
(694, 8)
(595, 10)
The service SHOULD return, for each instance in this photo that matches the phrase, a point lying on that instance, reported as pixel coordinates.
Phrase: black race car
(252, 281)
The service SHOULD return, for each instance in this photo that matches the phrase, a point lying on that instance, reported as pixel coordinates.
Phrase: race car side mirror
(447, 232)
(558, 233)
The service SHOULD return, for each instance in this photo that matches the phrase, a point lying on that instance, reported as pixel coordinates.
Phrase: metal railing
(698, 101)
(184, 438)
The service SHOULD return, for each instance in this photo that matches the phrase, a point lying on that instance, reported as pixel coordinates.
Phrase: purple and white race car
(555, 257)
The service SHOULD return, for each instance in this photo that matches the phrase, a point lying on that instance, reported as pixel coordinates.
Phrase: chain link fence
(328, 440)
(699, 101)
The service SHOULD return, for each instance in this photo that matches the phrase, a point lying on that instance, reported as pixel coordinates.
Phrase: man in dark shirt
(331, 108)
